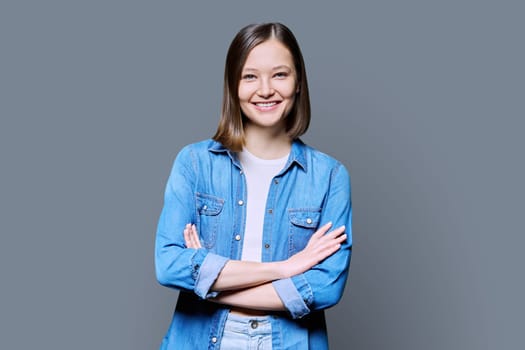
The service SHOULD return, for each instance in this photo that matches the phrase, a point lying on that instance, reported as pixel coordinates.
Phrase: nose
(265, 89)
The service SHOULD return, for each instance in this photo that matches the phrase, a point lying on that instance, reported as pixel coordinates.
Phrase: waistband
(250, 325)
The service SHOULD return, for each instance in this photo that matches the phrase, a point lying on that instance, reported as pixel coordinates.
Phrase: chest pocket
(208, 219)
(303, 224)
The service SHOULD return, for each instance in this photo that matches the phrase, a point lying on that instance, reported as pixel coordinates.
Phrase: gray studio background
(422, 100)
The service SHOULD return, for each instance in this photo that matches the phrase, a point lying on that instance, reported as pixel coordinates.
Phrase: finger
(334, 245)
(342, 238)
(190, 237)
(337, 240)
(323, 229)
(336, 233)
(331, 238)
(330, 245)
(196, 236)
(187, 237)
(331, 250)
(193, 238)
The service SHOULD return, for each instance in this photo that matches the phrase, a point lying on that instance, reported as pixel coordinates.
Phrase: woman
(256, 227)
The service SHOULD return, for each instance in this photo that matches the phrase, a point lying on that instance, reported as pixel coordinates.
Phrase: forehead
(269, 54)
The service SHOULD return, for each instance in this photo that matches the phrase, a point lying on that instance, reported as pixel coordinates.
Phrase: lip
(265, 106)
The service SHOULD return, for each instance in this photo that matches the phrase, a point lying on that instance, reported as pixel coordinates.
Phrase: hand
(320, 246)
(191, 238)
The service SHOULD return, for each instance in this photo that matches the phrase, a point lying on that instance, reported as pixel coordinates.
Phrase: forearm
(236, 274)
(244, 274)
(262, 297)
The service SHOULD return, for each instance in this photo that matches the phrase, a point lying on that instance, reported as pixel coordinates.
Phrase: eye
(249, 77)
(281, 75)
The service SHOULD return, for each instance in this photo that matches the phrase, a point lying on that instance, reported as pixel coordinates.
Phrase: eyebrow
(283, 66)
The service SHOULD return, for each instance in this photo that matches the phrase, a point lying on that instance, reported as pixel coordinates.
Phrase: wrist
(282, 269)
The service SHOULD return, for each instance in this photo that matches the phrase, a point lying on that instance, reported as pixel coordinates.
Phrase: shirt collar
(297, 154)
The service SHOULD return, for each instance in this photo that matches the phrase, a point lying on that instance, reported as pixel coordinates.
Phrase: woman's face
(268, 85)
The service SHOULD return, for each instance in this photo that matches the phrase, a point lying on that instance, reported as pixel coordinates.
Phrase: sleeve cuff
(291, 295)
(207, 273)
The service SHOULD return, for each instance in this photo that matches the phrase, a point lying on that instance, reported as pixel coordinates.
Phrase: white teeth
(266, 104)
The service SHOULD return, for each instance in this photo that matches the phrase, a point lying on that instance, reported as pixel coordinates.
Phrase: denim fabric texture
(247, 333)
(207, 187)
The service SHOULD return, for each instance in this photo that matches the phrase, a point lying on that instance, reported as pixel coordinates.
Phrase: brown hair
(230, 131)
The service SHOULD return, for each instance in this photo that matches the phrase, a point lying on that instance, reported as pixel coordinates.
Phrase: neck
(266, 145)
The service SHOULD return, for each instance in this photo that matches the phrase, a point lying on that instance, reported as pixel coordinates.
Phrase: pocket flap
(208, 204)
(308, 218)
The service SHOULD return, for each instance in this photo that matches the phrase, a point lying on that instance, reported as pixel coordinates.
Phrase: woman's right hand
(191, 237)
(320, 246)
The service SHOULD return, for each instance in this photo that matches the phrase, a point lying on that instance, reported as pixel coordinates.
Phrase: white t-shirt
(259, 174)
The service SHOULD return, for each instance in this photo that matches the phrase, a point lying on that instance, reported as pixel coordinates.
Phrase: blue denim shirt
(207, 187)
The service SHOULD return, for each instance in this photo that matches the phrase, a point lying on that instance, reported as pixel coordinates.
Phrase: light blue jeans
(247, 333)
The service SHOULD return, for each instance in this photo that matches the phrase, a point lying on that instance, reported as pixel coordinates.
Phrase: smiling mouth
(266, 105)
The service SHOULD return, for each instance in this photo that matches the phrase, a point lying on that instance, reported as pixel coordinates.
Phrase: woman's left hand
(191, 238)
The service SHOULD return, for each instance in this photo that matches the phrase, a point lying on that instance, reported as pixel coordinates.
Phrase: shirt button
(266, 246)
(308, 221)
(270, 211)
(214, 340)
(276, 181)
(240, 202)
(238, 237)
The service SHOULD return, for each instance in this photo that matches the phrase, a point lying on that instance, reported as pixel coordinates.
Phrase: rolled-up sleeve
(323, 285)
(208, 273)
(292, 296)
(177, 266)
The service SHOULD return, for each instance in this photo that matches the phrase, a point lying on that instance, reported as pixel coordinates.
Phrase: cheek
(244, 107)
(288, 90)
(244, 92)
(290, 104)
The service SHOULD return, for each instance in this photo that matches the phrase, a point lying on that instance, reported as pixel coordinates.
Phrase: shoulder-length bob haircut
(230, 131)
